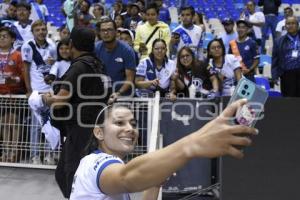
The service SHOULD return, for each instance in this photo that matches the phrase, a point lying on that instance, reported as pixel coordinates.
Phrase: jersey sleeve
(101, 164)
(141, 69)
(26, 52)
(54, 69)
(235, 63)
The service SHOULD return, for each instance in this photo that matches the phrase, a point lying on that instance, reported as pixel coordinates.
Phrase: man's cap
(227, 21)
(83, 39)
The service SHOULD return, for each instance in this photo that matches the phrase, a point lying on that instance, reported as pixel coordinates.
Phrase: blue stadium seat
(262, 82)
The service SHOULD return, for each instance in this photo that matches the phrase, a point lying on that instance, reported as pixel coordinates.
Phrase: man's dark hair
(191, 8)
(253, 2)
(9, 31)
(14, 3)
(153, 6)
(83, 39)
(24, 5)
(106, 20)
(88, 3)
(288, 8)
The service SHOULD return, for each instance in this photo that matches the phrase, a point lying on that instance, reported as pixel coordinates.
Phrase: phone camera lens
(246, 86)
(248, 93)
(243, 92)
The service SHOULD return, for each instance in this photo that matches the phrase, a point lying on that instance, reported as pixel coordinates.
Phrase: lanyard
(295, 41)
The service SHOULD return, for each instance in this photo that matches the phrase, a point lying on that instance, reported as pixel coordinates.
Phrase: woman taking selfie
(103, 175)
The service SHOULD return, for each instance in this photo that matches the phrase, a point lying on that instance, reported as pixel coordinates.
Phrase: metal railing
(16, 126)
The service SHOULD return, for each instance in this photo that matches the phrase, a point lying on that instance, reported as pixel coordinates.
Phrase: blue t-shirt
(116, 61)
(248, 51)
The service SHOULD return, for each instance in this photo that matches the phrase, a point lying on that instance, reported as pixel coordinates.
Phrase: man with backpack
(84, 91)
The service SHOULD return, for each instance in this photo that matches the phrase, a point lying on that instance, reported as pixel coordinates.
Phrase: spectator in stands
(155, 72)
(190, 34)
(117, 57)
(62, 64)
(116, 135)
(286, 59)
(229, 33)
(10, 14)
(245, 49)
(3, 7)
(164, 14)
(78, 129)
(280, 28)
(151, 30)
(256, 19)
(11, 82)
(39, 11)
(225, 66)
(127, 36)
(191, 71)
(83, 16)
(270, 9)
(132, 22)
(141, 4)
(63, 32)
(117, 9)
(38, 54)
(198, 20)
(98, 12)
(23, 25)
(11, 74)
(127, 12)
(143, 17)
(119, 20)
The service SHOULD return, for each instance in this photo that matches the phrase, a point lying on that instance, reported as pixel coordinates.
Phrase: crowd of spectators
(140, 52)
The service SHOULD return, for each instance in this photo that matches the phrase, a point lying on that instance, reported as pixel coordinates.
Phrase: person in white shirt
(226, 67)
(155, 72)
(3, 6)
(280, 28)
(23, 24)
(38, 55)
(190, 34)
(256, 19)
(102, 174)
(62, 64)
(39, 11)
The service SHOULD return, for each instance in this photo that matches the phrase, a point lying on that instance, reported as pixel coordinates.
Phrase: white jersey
(42, 10)
(59, 68)
(257, 17)
(3, 7)
(281, 27)
(231, 63)
(147, 69)
(37, 72)
(25, 32)
(86, 184)
(189, 37)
